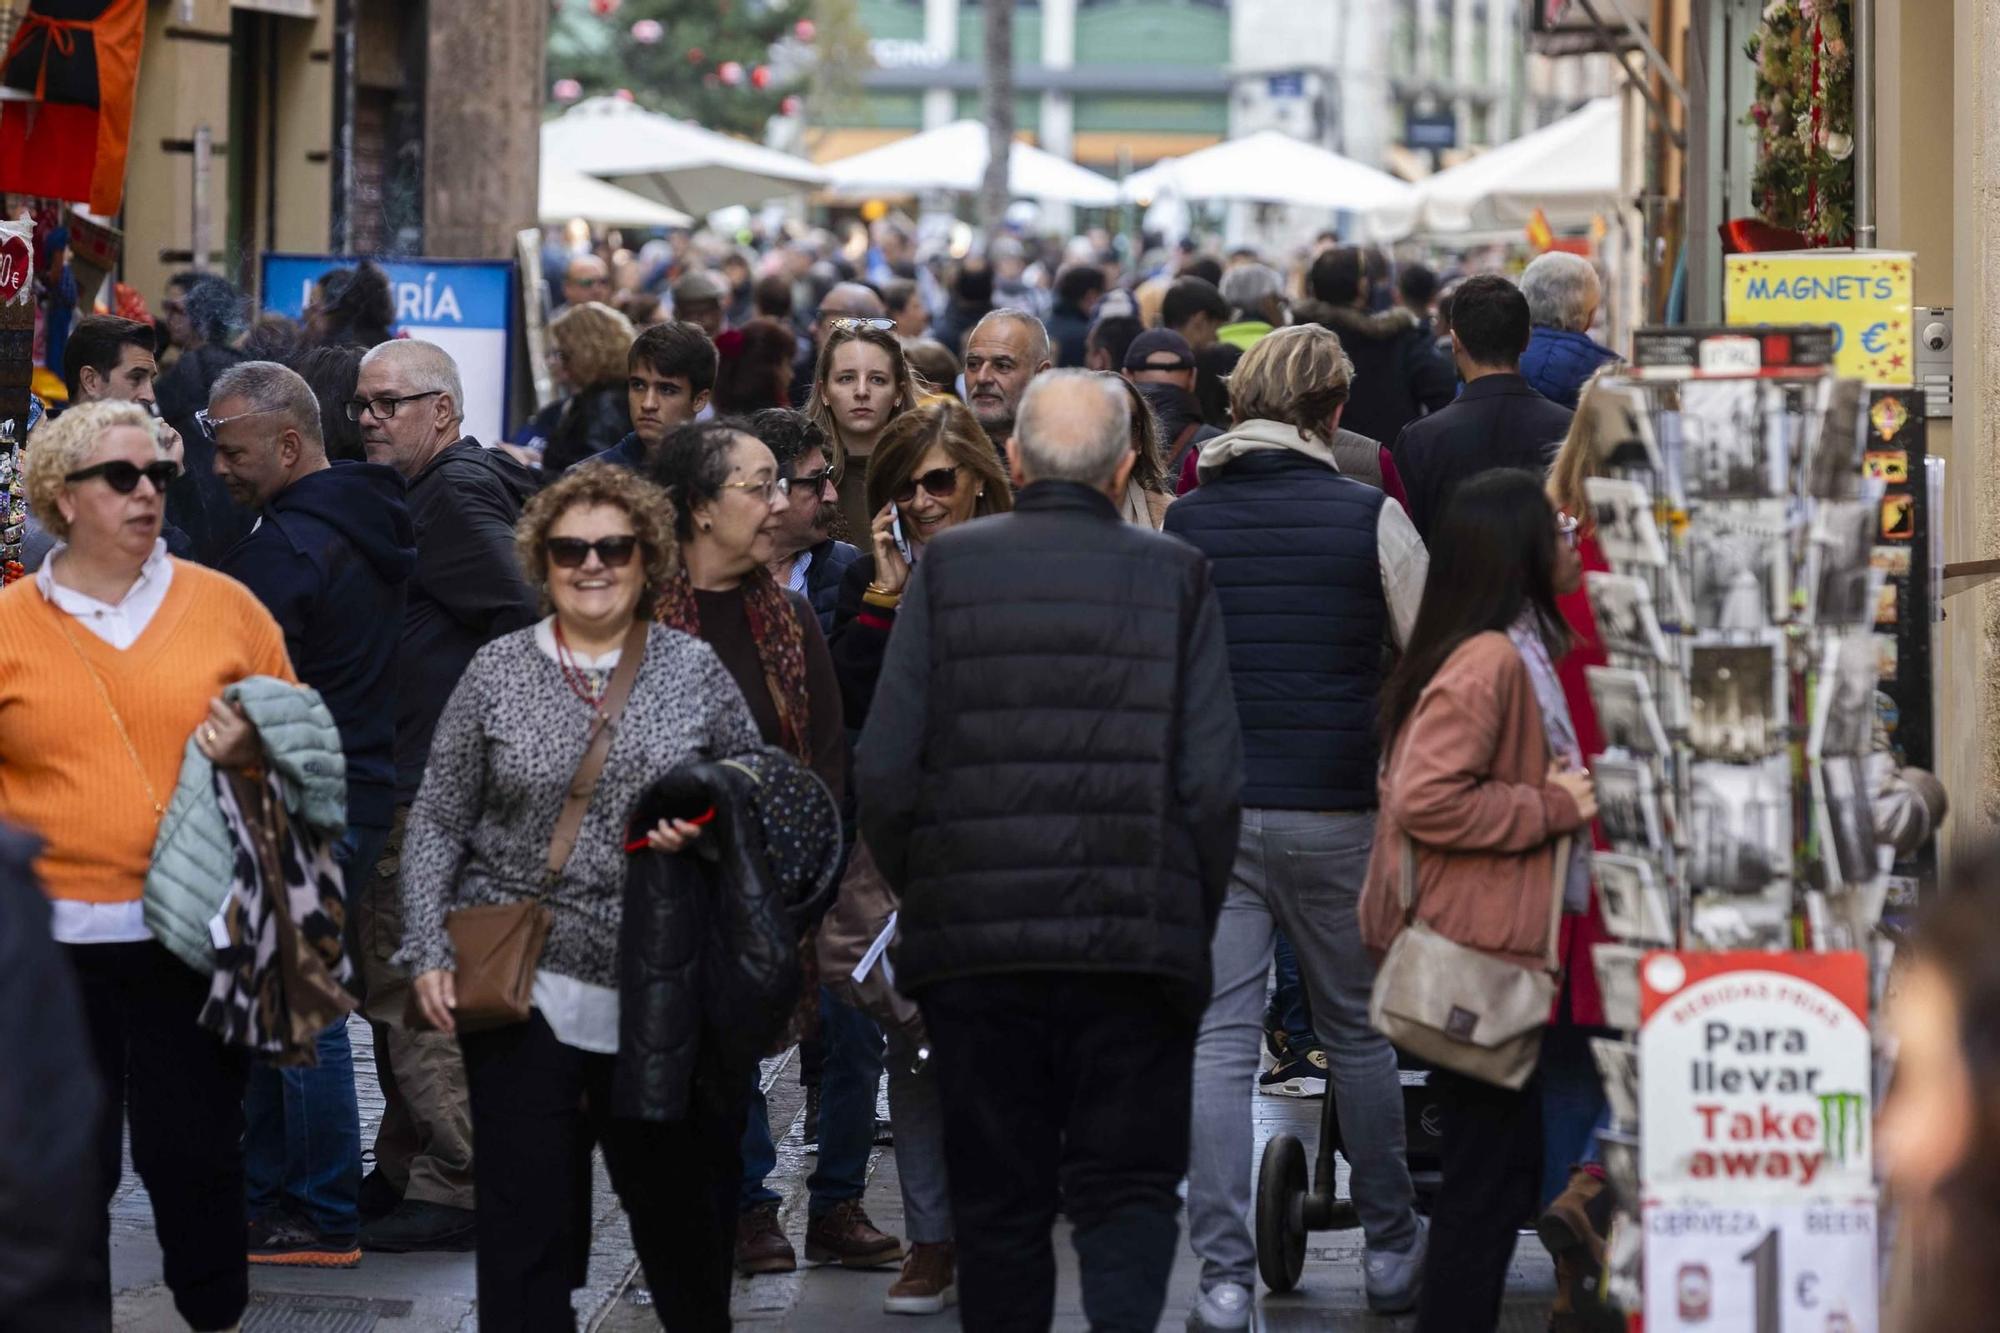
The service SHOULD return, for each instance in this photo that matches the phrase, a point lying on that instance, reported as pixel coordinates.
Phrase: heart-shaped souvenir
(16, 265)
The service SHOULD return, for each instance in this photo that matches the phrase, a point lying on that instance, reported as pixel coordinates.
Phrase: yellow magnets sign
(1864, 294)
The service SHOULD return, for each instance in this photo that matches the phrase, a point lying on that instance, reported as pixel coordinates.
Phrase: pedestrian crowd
(1136, 656)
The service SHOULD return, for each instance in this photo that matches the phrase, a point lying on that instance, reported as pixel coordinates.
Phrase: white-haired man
(468, 589)
(1563, 295)
(1006, 349)
(1058, 680)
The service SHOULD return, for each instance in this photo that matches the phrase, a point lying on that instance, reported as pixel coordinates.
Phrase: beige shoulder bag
(1459, 1008)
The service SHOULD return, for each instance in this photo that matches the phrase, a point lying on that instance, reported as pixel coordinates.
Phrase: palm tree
(998, 99)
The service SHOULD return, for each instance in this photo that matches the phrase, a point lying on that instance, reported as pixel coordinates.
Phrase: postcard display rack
(1743, 885)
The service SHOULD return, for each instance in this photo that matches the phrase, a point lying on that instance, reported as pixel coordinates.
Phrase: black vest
(1293, 554)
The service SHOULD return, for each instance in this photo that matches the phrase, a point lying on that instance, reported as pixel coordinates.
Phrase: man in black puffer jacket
(1050, 775)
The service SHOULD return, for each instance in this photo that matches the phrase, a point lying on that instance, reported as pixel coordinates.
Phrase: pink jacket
(1465, 780)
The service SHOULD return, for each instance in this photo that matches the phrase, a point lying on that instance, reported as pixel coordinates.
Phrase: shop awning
(1568, 169)
(671, 161)
(1273, 168)
(566, 195)
(953, 158)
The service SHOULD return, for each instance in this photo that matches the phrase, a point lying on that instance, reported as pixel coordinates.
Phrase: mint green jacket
(194, 859)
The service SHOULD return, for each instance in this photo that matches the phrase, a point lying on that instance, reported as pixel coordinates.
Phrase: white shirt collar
(796, 580)
(121, 623)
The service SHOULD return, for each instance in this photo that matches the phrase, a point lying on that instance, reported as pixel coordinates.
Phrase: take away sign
(1754, 1077)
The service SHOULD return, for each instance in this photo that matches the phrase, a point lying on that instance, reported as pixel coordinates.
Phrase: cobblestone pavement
(433, 1293)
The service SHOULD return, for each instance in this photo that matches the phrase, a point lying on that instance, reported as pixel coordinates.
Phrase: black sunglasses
(941, 482)
(123, 477)
(571, 552)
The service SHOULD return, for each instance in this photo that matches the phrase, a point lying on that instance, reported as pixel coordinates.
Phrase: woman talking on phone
(1483, 786)
(932, 470)
(861, 384)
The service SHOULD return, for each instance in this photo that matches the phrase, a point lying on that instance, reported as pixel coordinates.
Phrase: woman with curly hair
(599, 543)
(753, 368)
(1148, 493)
(861, 384)
(589, 346)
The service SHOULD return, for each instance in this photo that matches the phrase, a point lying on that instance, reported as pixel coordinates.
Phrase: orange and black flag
(79, 60)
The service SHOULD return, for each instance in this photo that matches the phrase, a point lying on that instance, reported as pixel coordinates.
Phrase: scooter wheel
(1281, 1231)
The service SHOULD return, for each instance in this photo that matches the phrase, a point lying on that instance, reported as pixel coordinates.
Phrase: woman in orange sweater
(111, 657)
(1482, 773)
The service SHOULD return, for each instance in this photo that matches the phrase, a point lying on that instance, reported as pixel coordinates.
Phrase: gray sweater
(506, 747)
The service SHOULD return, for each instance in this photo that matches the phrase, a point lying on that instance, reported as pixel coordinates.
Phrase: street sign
(1286, 85)
(1430, 129)
(465, 306)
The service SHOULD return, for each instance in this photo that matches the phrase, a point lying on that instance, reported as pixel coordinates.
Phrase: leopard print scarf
(781, 648)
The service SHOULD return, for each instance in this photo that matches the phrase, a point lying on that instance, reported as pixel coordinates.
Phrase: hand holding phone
(892, 549)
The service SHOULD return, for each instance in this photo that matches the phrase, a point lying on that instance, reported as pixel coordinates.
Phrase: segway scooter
(1290, 1207)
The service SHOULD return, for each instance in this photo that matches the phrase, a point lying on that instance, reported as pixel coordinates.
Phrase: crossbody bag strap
(570, 822)
(1561, 878)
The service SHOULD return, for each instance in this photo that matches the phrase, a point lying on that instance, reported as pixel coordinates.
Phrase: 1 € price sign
(1771, 1268)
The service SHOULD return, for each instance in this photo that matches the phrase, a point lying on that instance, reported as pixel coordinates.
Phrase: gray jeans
(919, 1122)
(1305, 870)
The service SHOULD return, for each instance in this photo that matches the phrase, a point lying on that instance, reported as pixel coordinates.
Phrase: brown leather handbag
(497, 947)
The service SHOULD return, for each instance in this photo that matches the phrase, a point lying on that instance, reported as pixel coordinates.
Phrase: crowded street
(999, 665)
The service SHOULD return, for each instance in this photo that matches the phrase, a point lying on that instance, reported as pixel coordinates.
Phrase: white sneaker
(1223, 1308)
(1393, 1279)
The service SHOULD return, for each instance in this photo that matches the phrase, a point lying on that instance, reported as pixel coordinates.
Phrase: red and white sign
(17, 260)
(1754, 1078)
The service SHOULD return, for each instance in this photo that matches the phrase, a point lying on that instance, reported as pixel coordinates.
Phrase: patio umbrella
(1568, 169)
(953, 158)
(1269, 167)
(569, 194)
(676, 163)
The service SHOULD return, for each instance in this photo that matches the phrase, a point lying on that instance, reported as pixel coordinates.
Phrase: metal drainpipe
(1864, 124)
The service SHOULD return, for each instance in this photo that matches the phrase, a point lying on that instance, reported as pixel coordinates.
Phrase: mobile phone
(896, 532)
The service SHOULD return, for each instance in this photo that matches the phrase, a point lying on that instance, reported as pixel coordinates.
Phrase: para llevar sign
(465, 306)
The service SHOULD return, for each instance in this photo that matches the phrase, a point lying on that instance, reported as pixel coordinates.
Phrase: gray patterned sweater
(506, 747)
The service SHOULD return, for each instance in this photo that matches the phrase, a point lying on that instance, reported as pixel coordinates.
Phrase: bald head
(587, 278)
(847, 300)
(1074, 425)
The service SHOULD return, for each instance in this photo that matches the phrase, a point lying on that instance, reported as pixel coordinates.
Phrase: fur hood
(1351, 324)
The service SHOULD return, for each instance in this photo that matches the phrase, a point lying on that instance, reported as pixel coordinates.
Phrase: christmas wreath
(1804, 115)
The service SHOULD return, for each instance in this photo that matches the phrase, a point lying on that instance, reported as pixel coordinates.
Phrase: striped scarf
(781, 648)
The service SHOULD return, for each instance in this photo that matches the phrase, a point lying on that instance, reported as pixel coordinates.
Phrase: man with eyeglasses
(467, 590)
(330, 558)
(587, 278)
(808, 559)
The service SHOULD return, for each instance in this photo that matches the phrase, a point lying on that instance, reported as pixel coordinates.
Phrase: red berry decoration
(646, 32)
(696, 55)
(760, 77)
(604, 9)
(790, 106)
(805, 30)
(731, 72)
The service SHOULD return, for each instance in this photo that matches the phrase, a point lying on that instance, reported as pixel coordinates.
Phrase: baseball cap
(699, 285)
(1158, 343)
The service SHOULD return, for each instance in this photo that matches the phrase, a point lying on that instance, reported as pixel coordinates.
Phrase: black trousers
(538, 1106)
(1063, 1088)
(183, 1090)
(1491, 1160)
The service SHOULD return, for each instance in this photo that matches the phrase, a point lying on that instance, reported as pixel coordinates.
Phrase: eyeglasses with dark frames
(383, 408)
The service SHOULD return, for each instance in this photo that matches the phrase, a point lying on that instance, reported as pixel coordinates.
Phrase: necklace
(580, 681)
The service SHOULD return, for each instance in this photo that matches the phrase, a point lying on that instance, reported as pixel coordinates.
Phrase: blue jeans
(1573, 1104)
(302, 1127)
(848, 1083)
(1288, 1010)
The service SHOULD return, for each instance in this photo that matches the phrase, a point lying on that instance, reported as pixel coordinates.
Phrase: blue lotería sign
(465, 306)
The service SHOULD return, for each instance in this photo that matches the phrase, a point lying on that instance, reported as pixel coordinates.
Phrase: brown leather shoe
(929, 1282)
(1572, 1230)
(846, 1237)
(761, 1246)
